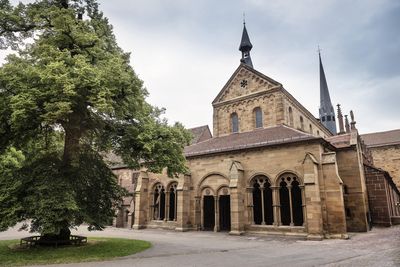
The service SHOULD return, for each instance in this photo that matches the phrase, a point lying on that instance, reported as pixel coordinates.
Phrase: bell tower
(326, 111)
(245, 47)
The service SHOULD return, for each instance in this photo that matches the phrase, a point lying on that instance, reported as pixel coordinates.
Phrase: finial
(347, 124)
(340, 119)
(244, 18)
(353, 122)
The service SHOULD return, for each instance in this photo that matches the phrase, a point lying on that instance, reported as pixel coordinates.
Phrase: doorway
(208, 213)
(225, 213)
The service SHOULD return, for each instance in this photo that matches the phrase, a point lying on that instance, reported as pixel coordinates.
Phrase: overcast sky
(185, 51)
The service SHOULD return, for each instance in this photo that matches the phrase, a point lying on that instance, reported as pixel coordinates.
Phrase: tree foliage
(67, 97)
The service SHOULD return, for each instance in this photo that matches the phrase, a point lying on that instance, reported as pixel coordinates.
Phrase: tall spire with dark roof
(245, 47)
(326, 111)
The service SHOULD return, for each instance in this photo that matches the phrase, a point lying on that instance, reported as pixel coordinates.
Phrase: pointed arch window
(291, 200)
(159, 202)
(262, 201)
(173, 201)
(234, 122)
(258, 117)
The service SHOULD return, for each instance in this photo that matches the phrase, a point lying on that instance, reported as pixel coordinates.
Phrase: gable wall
(269, 103)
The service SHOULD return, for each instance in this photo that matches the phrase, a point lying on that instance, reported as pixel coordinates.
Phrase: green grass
(95, 250)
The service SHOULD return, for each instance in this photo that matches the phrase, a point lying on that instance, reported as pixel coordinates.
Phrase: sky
(185, 51)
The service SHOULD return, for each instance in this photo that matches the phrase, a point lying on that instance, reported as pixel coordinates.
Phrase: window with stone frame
(263, 213)
(291, 200)
(258, 117)
(173, 202)
(158, 202)
(234, 122)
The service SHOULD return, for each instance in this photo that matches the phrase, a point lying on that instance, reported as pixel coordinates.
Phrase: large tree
(68, 96)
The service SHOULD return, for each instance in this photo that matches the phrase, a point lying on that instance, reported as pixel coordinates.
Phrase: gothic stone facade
(270, 167)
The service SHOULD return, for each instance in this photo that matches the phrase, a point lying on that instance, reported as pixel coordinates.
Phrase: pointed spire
(347, 125)
(245, 47)
(326, 112)
(340, 119)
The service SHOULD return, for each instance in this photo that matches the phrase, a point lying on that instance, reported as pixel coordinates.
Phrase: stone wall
(355, 195)
(383, 197)
(126, 178)
(388, 158)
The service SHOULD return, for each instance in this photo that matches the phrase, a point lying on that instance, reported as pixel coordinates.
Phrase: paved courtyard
(379, 247)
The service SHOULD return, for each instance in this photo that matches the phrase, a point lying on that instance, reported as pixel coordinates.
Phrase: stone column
(166, 213)
(250, 205)
(262, 204)
(183, 203)
(237, 191)
(141, 203)
(275, 205)
(216, 212)
(289, 187)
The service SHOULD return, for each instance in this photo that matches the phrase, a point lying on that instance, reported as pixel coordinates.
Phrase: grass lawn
(95, 250)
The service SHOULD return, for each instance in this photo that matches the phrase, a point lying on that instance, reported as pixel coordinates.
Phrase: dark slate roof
(238, 141)
(382, 138)
(339, 141)
(200, 133)
(245, 44)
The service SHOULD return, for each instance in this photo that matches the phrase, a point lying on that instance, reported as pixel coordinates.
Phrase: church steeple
(326, 111)
(245, 47)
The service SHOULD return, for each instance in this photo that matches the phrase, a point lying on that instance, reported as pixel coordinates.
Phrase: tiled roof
(257, 138)
(339, 141)
(200, 133)
(382, 138)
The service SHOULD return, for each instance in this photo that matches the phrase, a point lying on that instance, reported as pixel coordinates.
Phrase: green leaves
(66, 97)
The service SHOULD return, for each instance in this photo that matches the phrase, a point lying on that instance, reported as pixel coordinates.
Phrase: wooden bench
(35, 240)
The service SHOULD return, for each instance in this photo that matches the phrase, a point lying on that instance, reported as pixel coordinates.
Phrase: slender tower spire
(245, 47)
(326, 112)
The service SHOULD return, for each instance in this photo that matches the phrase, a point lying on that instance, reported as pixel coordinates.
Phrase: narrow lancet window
(258, 117)
(235, 122)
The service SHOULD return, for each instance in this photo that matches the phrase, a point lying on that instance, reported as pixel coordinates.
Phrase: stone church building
(269, 167)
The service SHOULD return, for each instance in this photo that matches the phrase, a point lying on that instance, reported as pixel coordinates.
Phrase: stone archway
(209, 190)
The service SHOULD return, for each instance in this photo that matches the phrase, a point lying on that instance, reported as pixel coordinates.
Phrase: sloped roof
(339, 141)
(382, 138)
(200, 133)
(258, 138)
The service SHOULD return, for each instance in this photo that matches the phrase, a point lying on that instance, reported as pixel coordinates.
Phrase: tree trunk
(73, 134)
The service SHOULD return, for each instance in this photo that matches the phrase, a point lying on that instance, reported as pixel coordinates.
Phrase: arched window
(301, 123)
(262, 201)
(159, 202)
(173, 201)
(258, 117)
(291, 200)
(290, 116)
(234, 122)
(310, 128)
(318, 132)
